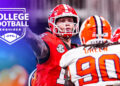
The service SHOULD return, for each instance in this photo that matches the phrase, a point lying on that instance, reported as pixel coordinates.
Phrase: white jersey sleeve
(66, 59)
(70, 57)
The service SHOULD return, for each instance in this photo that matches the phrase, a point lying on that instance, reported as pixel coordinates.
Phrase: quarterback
(97, 62)
(50, 46)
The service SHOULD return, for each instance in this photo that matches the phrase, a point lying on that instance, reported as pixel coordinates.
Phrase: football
(10, 36)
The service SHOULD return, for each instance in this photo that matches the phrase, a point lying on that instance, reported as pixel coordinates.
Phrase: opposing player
(50, 46)
(116, 35)
(97, 62)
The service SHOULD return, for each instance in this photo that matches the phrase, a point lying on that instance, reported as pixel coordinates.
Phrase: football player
(97, 61)
(50, 46)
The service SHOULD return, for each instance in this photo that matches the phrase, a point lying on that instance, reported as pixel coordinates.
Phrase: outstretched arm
(38, 45)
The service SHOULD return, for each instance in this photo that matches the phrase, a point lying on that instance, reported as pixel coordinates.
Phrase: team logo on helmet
(60, 48)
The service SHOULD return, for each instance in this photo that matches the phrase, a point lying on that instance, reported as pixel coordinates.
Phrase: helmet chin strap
(65, 37)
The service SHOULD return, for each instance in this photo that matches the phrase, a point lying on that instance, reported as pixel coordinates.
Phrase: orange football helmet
(59, 11)
(116, 35)
(95, 29)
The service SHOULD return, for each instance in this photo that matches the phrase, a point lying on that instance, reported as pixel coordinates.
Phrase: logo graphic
(60, 48)
(13, 24)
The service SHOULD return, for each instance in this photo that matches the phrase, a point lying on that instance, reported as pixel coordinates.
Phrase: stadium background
(18, 60)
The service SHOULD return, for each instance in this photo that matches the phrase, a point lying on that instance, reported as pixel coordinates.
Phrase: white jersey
(93, 67)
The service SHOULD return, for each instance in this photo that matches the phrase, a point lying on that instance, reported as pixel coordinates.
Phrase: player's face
(66, 24)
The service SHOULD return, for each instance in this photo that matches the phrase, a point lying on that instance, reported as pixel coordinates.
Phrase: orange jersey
(49, 71)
